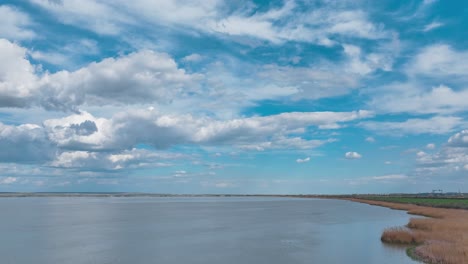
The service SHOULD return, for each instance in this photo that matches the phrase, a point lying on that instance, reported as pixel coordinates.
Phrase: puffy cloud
(434, 125)
(14, 24)
(127, 159)
(18, 80)
(430, 146)
(125, 130)
(26, 143)
(459, 139)
(140, 77)
(8, 180)
(370, 139)
(352, 155)
(151, 77)
(80, 132)
(192, 58)
(303, 160)
(435, 64)
(439, 60)
(421, 154)
(413, 98)
(449, 159)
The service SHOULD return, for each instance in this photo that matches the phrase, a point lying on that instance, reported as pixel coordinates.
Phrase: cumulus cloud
(139, 77)
(8, 180)
(448, 160)
(460, 139)
(25, 143)
(152, 77)
(430, 146)
(114, 161)
(303, 160)
(415, 98)
(125, 130)
(192, 58)
(18, 80)
(352, 155)
(436, 83)
(84, 141)
(370, 139)
(439, 60)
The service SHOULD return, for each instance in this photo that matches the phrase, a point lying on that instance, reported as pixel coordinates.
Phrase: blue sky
(216, 96)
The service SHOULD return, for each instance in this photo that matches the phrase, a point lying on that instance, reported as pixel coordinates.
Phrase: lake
(195, 230)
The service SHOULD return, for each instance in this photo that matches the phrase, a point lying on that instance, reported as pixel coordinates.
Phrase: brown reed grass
(441, 238)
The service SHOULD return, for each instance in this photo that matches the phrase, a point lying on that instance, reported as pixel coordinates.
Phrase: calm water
(195, 230)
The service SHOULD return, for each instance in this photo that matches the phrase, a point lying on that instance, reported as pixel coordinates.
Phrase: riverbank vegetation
(440, 238)
(456, 203)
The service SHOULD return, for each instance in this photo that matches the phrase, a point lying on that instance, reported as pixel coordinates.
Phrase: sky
(214, 96)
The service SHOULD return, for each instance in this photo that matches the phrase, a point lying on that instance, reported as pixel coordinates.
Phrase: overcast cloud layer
(223, 97)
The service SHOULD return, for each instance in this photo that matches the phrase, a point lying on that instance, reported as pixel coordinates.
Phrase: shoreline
(442, 237)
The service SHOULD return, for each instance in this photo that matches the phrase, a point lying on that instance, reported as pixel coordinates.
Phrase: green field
(424, 201)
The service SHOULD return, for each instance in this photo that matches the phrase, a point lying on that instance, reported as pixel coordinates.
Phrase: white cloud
(430, 146)
(434, 125)
(126, 159)
(127, 129)
(432, 25)
(353, 155)
(447, 160)
(439, 60)
(25, 143)
(421, 154)
(414, 98)
(50, 57)
(151, 77)
(363, 64)
(14, 24)
(459, 139)
(370, 139)
(390, 177)
(8, 180)
(192, 58)
(89, 14)
(303, 160)
(17, 76)
(276, 25)
(436, 64)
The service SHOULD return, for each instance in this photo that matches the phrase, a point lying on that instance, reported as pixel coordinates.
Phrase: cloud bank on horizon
(182, 96)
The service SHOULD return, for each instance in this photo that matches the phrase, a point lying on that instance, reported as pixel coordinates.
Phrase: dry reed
(442, 238)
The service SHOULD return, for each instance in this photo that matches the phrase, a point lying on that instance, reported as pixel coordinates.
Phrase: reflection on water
(195, 230)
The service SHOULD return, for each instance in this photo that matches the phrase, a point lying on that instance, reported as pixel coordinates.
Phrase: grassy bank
(441, 238)
(456, 203)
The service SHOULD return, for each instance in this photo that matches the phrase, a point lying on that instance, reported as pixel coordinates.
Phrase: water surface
(195, 230)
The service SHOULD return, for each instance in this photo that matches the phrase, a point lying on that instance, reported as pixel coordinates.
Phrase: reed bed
(442, 238)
